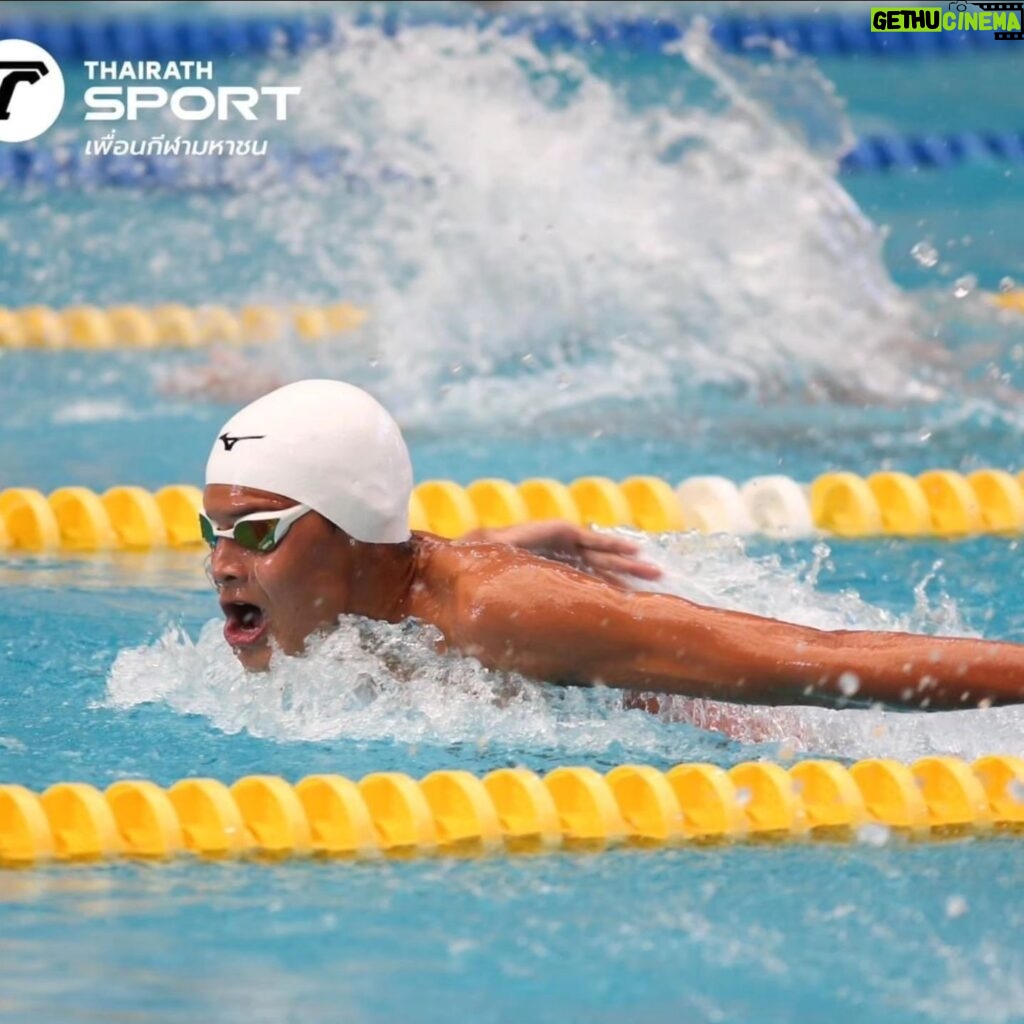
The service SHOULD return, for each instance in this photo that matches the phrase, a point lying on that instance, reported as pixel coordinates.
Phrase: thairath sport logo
(31, 90)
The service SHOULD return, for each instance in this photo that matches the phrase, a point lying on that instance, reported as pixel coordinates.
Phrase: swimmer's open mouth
(245, 623)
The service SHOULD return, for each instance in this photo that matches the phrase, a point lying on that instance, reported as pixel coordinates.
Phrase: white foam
(372, 681)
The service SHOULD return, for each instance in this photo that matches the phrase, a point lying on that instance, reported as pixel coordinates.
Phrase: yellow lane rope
(171, 325)
(937, 503)
(510, 809)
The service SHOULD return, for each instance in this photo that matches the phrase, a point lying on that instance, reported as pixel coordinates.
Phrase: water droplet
(1007, 284)
(849, 684)
(963, 286)
(925, 254)
(956, 906)
(873, 833)
(1016, 791)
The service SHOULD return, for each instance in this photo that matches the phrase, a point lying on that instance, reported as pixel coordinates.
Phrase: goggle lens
(261, 535)
(206, 528)
(256, 535)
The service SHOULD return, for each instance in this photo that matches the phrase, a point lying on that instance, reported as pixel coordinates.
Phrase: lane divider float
(175, 325)
(170, 325)
(510, 810)
(937, 503)
(885, 154)
(78, 519)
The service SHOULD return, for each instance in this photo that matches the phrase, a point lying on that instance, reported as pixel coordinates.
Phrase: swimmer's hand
(604, 554)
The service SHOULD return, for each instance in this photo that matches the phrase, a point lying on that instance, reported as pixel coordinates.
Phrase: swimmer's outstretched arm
(558, 625)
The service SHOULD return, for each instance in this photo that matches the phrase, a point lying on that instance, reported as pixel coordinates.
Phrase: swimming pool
(619, 265)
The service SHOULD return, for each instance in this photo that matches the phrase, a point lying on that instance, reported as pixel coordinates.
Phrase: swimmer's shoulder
(468, 576)
(450, 562)
(451, 578)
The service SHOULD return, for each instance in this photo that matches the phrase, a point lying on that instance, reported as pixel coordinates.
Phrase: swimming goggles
(261, 531)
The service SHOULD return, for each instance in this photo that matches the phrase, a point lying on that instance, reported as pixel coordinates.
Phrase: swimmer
(306, 510)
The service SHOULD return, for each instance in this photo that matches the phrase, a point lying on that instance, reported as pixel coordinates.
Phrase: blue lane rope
(175, 39)
(823, 35)
(887, 153)
(71, 167)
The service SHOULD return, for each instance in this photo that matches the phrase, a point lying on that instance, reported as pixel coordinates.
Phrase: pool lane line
(512, 810)
(172, 325)
(939, 503)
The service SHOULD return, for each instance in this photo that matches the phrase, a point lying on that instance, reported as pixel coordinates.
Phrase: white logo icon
(31, 90)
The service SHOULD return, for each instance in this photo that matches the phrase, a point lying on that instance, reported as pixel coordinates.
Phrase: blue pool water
(616, 266)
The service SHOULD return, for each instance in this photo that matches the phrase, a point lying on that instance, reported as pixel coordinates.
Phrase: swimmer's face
(281, 597)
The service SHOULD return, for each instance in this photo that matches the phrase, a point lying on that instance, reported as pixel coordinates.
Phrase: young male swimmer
(306, 509)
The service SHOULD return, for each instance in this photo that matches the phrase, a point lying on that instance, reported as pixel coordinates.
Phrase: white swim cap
(328, 445)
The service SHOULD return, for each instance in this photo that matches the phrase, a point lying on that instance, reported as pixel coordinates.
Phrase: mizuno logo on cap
(230, 442)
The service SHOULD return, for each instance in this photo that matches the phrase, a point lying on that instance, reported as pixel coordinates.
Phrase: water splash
(372, 681)
(538, 246)
(543, 241)
(576, 249)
